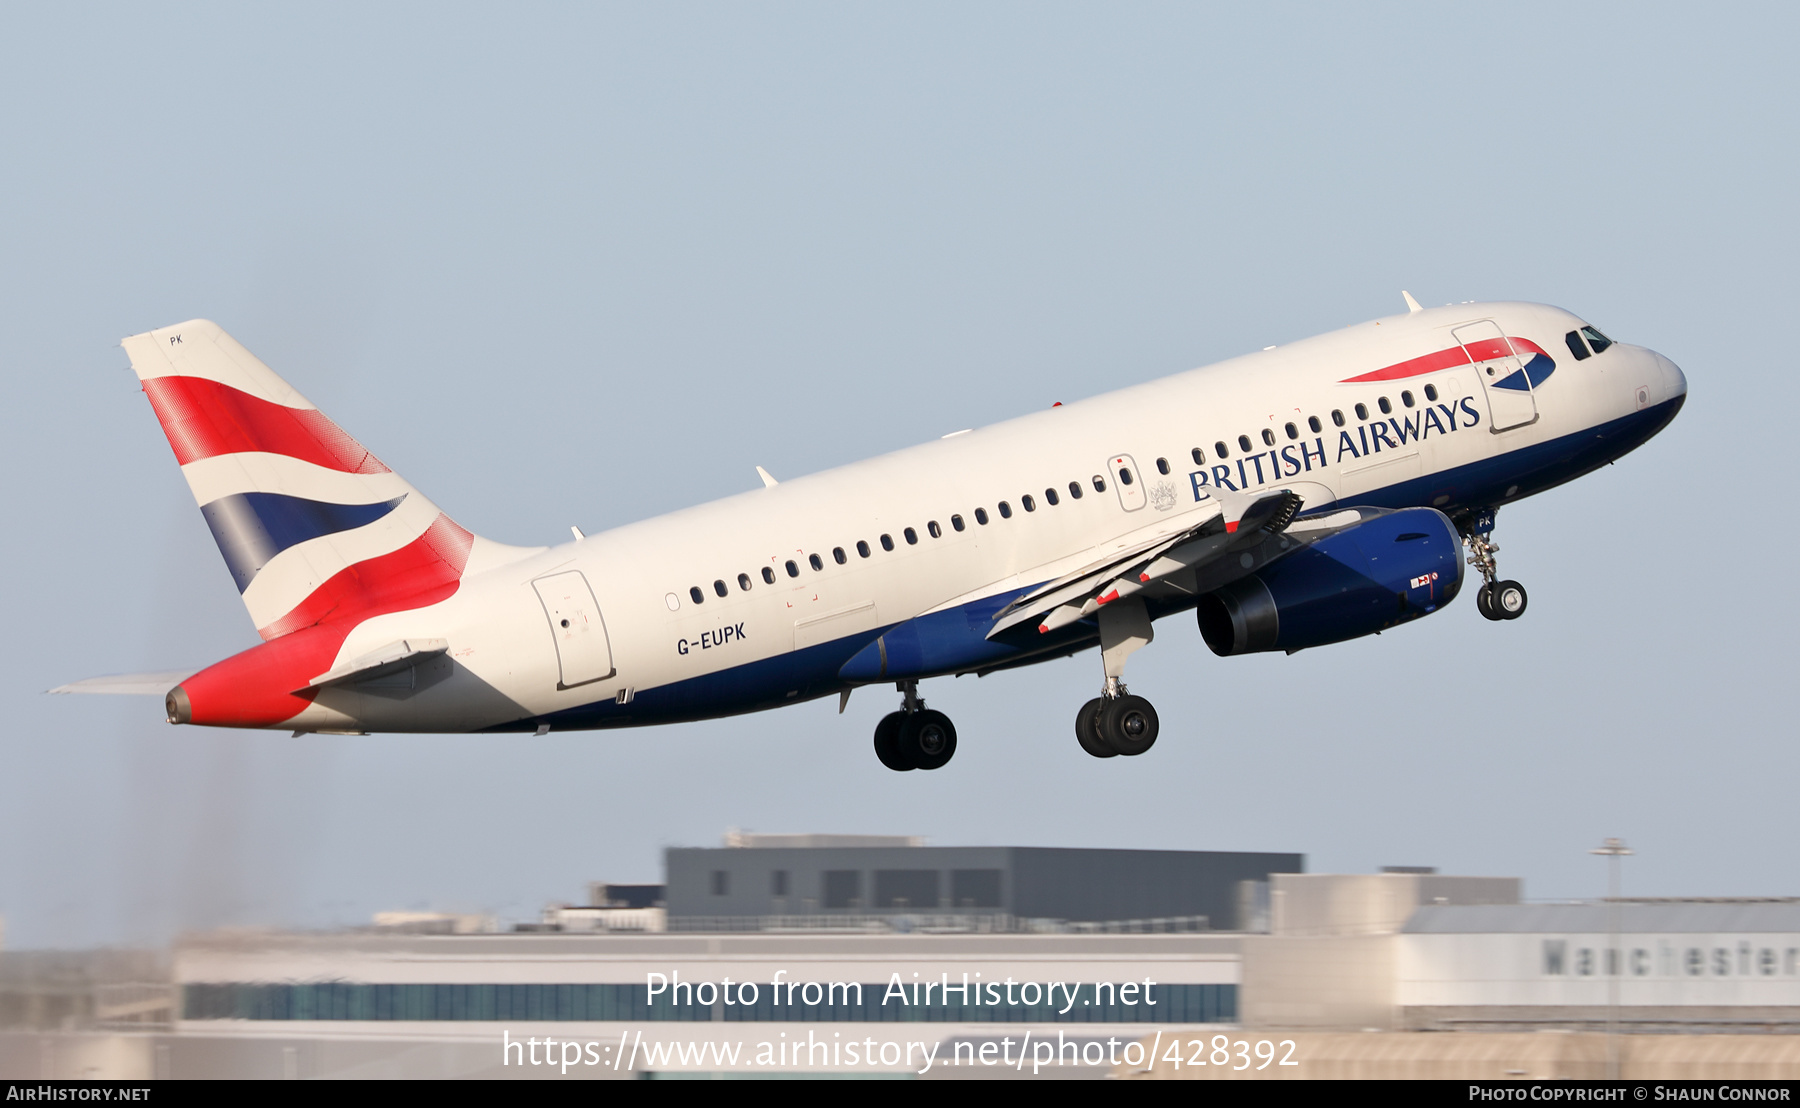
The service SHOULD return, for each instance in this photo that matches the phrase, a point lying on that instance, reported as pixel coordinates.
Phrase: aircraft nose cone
(1673, 379)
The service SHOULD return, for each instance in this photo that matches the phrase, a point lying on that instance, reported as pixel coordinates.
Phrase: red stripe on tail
(204, 419)
(422, 572)
(256, 688)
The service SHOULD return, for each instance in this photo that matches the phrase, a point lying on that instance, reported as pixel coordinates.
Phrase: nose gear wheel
(1495, 600)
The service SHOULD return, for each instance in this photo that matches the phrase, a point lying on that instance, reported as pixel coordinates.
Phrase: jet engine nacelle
(1377, 574)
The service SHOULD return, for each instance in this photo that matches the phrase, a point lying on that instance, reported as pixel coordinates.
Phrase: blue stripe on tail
(252, 527)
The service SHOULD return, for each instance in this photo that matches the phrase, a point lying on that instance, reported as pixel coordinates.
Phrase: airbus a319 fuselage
(1293, 497)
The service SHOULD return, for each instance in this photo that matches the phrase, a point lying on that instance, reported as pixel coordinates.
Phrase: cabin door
(581, 644)
(1510, 400)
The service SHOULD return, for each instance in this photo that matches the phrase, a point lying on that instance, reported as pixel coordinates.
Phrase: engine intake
(1378, 574)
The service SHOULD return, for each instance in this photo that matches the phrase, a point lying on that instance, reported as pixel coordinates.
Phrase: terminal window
(721, 882)
(906, 888)
(778, 883)
(843, 888)
(975, 888)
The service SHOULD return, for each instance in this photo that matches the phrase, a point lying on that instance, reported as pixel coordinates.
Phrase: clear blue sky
(584, 264)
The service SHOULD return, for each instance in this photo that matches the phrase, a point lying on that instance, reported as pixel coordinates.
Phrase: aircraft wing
(1241, 520)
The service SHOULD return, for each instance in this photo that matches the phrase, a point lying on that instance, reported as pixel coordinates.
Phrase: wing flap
(1240, 520)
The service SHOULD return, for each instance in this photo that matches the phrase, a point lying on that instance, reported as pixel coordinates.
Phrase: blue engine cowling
(1378, 574)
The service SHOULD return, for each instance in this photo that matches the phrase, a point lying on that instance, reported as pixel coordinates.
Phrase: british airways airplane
(1299, 496)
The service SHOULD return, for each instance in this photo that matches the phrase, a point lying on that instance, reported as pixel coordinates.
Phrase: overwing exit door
(581, 644)
(1511, 402)
(1127, 481)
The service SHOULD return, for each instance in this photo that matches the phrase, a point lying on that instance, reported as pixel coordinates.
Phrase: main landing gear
(1115, 722)
(915, 737)
(1495, 600)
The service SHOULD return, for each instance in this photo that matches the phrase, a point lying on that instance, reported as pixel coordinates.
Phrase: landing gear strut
(1115, 722)
(1495, 600)
(915, 737)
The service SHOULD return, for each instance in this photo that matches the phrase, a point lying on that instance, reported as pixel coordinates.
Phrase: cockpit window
(1597, 340)
(1576, 346)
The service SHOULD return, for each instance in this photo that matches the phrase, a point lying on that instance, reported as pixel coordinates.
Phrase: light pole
(1614, 850)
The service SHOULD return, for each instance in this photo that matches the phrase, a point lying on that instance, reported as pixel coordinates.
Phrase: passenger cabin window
(912, 537)
(1075, 489)
(1577, 347)
(934, 530)
(1313, 422)
(1162, 466)
(768, 576)
(1028, 503)
(1362, 411)
(1431, 392)
(981, 516)
(793, 570)
(1406, 399)
(1293, 432)
(1124, 475)
(1050, 497)
(744, 582)
(1337, 417)
(1244, 443)
(862, 548)
(1385, 406)
(1099, 483)
(696, 595)
(719, 587)
(817, 562)
(887, 542)
(1005, 510)
(1268, 437)
(1220, 452)
(1199, 458)
(956, 522)
(1596, 340)
(837, 555)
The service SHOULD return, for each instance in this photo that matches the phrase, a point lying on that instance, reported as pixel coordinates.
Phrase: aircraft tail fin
(313, 527)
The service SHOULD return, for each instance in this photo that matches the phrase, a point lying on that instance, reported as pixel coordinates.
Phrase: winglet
(1411, 304)
(768, 482)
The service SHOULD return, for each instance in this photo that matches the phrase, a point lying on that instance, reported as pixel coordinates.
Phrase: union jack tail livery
(318, 534)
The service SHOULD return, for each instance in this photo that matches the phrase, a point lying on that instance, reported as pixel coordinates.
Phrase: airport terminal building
(899, 946)
(809, 876)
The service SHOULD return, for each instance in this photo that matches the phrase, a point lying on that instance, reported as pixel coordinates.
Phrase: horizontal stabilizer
(391, 658)
(129, 684)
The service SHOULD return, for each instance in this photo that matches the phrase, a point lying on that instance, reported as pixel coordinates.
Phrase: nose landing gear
(1495, 600)
(1115, 722)
(915, 737)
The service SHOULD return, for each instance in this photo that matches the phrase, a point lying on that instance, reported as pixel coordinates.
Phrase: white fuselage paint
(503, 667)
